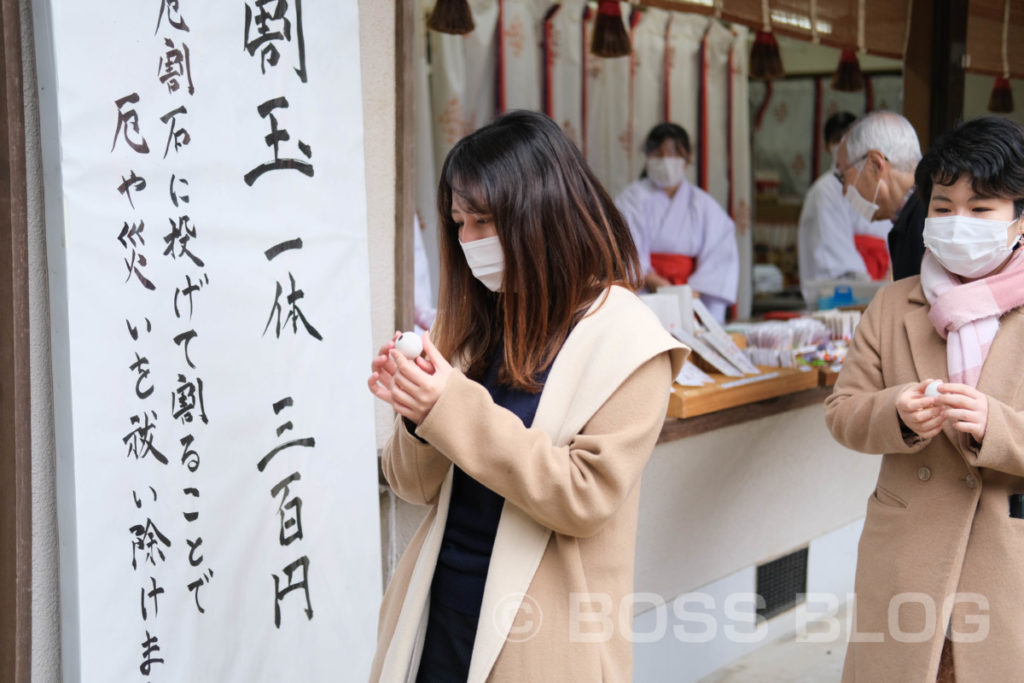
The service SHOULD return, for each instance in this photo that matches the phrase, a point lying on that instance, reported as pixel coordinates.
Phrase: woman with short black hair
(933, 381)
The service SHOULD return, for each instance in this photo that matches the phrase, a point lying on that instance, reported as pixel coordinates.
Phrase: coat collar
(1002, 380)
(581, 386)
(927, 348)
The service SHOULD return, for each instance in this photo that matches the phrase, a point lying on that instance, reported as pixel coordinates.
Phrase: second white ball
(409, 344)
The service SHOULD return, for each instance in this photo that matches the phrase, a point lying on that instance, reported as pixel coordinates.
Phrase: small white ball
(410, 344)
(933, 388)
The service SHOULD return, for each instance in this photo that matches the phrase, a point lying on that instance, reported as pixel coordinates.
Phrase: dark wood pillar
(933, 85)
(15, 434)
(405, 162)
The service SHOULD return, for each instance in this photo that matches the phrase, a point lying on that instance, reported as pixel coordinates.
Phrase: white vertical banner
(563, 61)
(717, 47)
(222, 521)
(521, 28)
(648, 81)
(609, 138)
(740, 175)
(683, 69)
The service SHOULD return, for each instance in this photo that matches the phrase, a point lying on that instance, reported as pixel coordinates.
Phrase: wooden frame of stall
(15, 407)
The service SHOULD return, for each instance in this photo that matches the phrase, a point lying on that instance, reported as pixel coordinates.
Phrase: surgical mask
(487, 261)
(833, 150)
(860, 205)
(968, 246)
(666, 172)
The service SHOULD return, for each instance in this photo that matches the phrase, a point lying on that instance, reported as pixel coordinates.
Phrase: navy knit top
(473, 514)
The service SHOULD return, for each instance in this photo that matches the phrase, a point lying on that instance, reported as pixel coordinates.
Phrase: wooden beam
(933, 77)
(917, 70)
(15, 434)
(405, 162)
(949, 47)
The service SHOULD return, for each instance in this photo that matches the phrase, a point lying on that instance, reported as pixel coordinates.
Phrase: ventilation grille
(782, 583)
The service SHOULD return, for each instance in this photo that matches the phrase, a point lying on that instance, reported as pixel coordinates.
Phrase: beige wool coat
(564, 550)
(938, 547)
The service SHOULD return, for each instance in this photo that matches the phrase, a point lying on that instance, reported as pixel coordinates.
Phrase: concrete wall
(724, 500)
(377, 47)
(715, 506)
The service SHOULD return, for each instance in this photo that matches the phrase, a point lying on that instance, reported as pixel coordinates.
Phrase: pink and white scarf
(966, 314)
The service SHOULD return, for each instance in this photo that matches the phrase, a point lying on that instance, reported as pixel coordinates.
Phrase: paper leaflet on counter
(675, 307)
(715, 359)
(692, 376)
(683, 296)
(717, 337)
(666, 307)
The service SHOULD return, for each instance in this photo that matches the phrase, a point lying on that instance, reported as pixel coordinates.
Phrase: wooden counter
(729, 392)
(695, 410)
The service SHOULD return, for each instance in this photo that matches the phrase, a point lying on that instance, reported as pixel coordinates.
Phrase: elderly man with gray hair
(875, 163)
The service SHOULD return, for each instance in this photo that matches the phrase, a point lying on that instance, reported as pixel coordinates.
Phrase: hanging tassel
(610, 36)
(451, 16)
(1001, 99)
(848, 76)
(765, 60)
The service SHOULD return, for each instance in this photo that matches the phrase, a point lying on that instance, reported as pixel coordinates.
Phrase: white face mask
(487, 261)
(833, 150)
(860, 205)
(666, 172)
(968, 246)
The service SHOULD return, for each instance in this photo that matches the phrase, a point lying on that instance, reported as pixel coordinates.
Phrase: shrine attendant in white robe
(682, 235)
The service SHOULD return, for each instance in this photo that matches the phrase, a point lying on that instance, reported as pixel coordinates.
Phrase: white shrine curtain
(608, 138)
(563, 80)
(648, 80)
(520, 38)
(683, 68)
(535, 54)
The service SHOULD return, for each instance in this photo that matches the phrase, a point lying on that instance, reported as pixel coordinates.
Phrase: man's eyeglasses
(839, 173)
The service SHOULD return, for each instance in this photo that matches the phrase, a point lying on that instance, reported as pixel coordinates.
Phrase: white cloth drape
(606, 106)
(564, 64)
(608, 138)
(456, 98)
(790, 108)
(521, 33)
(462, 84)
(741, 177)
(648, 80)
(833, 102)
(715, 95)
(682, 62)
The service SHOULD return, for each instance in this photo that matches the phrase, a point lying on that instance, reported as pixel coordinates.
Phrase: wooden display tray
(727, 393)
(828, 378)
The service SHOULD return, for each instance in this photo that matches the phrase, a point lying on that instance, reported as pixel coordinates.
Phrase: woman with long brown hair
(527, 427)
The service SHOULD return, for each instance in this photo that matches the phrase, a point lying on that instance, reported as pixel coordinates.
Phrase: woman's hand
(653, 281)
(966, 408)
(383, 371)
(920, 413)
(417, 385)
